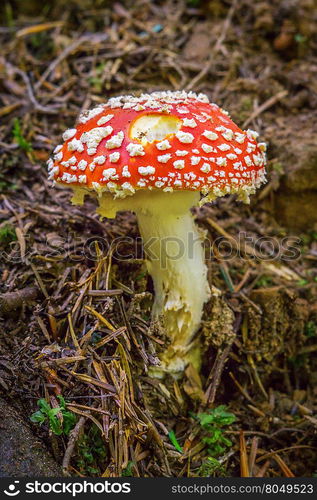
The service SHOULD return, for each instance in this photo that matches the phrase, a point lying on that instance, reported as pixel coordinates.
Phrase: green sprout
(302, 282)
(174, 441)
(18, 136)
(128, 471)
(310, 329)
(7, 234)
(264, 281)
(212, 423)
(91, 453)
(50, 415)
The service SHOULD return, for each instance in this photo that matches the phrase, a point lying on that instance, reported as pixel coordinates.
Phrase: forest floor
(75, 323)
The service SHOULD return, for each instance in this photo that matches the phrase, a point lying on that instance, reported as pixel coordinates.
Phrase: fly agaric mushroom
(155, 155)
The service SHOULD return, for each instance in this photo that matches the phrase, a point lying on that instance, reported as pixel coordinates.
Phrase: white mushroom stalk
(175, 260)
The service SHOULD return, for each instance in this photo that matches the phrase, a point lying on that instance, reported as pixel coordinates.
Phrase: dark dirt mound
(21, 454)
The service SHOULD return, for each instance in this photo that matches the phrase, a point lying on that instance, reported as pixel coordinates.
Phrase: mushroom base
(175, 261)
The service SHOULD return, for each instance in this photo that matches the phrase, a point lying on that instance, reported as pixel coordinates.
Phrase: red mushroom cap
(205, 152)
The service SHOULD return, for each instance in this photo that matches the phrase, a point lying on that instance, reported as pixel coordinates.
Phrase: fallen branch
(266, 105)
(11, 301)
(73, 436)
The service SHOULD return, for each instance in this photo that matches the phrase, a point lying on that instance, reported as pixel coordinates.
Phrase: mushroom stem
(175, 260)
